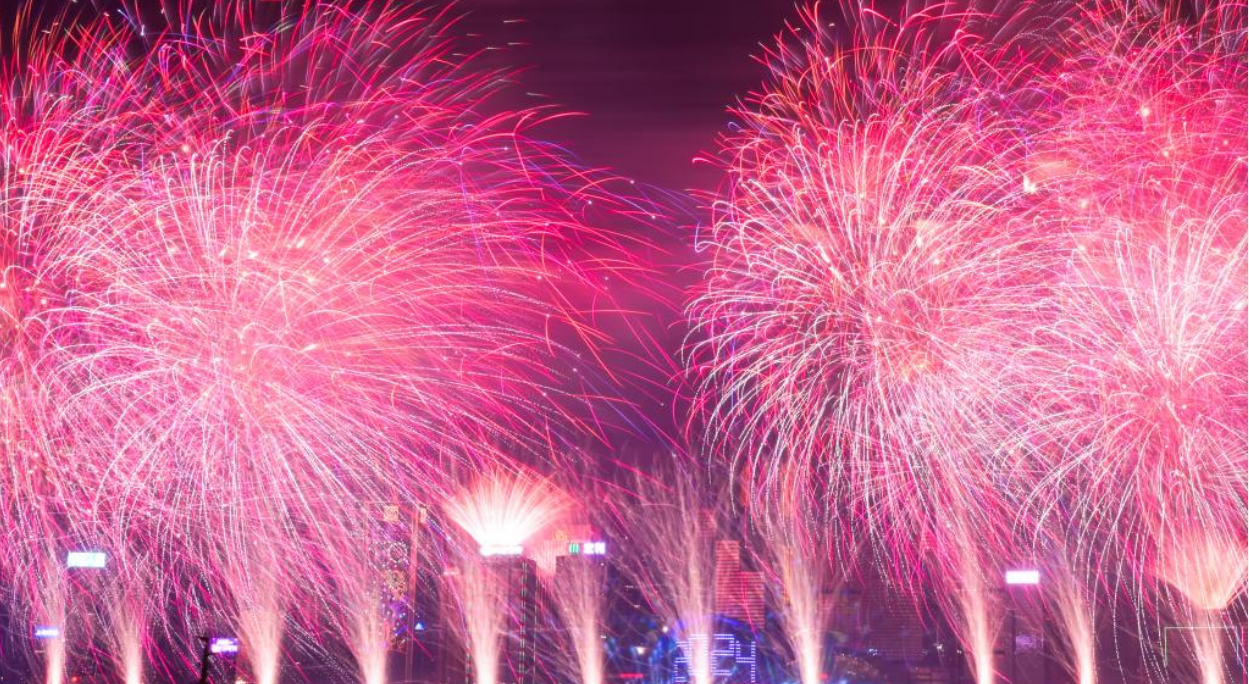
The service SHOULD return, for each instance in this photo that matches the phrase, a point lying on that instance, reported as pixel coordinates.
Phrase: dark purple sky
(653, 78)
(652, 81)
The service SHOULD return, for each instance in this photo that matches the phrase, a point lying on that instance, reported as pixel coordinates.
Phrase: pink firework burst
(873, 273)
(992, 289)
(257, 274)
(1141, 389)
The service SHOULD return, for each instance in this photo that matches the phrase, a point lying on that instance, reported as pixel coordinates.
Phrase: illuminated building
(632, 630)
(882, 626)
(739, 593)
(518, 577)
(426, 627)
(392, 547)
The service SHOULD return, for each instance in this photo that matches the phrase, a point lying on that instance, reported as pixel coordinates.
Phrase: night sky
(649, 85)
(652, 79)
(648, 82)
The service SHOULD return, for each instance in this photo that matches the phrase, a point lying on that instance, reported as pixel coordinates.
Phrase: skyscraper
(517, 579)
(739, 592)
(392, 547)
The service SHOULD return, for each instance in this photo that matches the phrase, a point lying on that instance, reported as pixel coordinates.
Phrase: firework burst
(871, 277)
(991, 289)
(1140, 384)
(257, 271)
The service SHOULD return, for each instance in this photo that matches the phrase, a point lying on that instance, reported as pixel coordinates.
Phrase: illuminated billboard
(1023, 577)
(86, 559)
(224, 646)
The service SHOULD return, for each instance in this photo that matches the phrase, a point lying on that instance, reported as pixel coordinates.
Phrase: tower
(518, 577)
(392, 546)
(517, 584)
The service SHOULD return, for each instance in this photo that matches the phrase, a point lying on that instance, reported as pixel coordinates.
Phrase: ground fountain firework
(500, 511)
(578, 589)
(797, 546)
(673, 530)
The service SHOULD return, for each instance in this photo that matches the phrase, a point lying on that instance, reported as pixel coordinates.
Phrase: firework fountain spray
(500, 511)
(253, 575)
(1076, 616)
(369, 634)
(365, 621)
(129, 636)
(973, 604)
(1209, 572)
(796, 538)
(260, 626)
(484, 604)
(43, 596)
(128, 615)
(503, 509)
(361, 608)
(577, 589)
(1207, 637)
(674, 529)
(578, 596)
